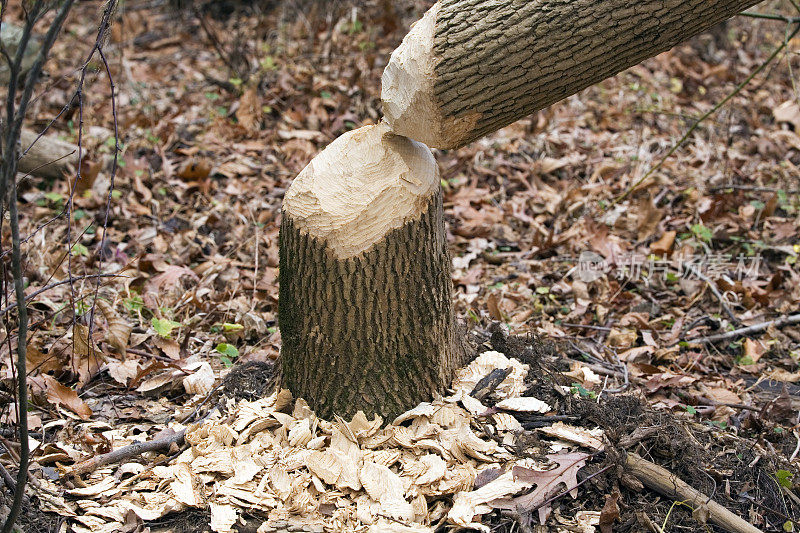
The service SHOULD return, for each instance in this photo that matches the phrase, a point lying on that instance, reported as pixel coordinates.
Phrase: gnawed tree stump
(365, 291)
(471, 67)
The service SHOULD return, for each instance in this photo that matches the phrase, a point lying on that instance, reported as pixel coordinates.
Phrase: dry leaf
(195, 168)
(223, 517)
(249, 112)
(788, 112)
(664, 244)
(523, 405)
(754, 349)
(609, 513)
(621, 338)
(547, 482)
(124, 371)
(386, 487)
(201, 381)
(119, 331)
(59, 394)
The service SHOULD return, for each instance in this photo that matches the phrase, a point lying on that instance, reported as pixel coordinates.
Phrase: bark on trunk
(471, 67)
(367, 323)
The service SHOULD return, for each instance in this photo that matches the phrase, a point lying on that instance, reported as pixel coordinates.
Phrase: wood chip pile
(449, 461)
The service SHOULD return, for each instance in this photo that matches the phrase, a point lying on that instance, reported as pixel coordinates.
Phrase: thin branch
(126, 452)
(114, 165)
(770, 16)
(713, 286)
(755, 328)
(705, 115)
(15, 114)
(36, 293)
(753, 188)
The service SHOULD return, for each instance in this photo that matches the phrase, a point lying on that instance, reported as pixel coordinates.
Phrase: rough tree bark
(365, 290)
(471, 67)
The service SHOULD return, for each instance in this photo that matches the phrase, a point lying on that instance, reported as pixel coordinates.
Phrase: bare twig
(127, 452)
(753, 188)
(705, 115)
(755, 328)
(713, 286)
(46, 288)
(12, 129)
(771, 16)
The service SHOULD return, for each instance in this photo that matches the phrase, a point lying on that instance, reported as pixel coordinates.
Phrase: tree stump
(365, 291)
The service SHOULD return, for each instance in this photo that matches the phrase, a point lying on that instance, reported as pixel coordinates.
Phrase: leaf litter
(193, 242)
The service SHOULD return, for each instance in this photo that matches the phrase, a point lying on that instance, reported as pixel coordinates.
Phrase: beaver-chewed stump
(365, 291)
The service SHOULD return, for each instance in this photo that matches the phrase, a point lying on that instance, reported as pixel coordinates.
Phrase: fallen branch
(45, 156)
(127, 452)
(755, 328)
(664, 482)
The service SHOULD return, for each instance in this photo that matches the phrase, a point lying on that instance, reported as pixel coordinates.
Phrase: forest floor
(220, 104)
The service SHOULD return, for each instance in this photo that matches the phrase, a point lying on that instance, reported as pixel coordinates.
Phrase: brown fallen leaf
(195, 168)
(609, 513)
(648, 218)
(753, 350)
(664, 243)
(59, 394)
(547, 483)
(621, 338)
(119, 331)
(249, 112)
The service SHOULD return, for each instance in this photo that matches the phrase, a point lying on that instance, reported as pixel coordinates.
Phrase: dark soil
(736, 471)
(31, 518)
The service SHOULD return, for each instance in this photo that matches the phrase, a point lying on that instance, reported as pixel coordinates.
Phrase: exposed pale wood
(49, 158)
(470, 67)
(364, 184)
(670, 485)
(365, 308)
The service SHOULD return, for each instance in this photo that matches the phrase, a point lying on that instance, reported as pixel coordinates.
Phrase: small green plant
(702, 233)
(784, 478)
(582, 391)
(134, 304)
(164, 326)
(268, 64)
(79, 249)
(55, 198)
(689, 409)
(355, 26)
(228, 352)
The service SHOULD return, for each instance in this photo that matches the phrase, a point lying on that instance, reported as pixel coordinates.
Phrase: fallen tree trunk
(365, 308)
(48, 158)
(471, 67)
